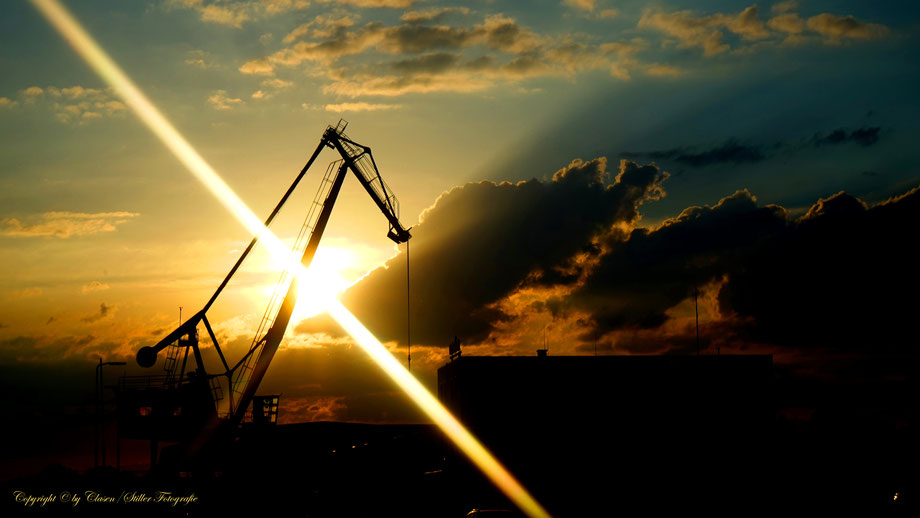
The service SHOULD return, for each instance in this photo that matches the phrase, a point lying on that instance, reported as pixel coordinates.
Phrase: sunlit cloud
(219, 100)
(432, 14)
(94, 286)
(432, 57)
(257, 67)
(837, 28)
(392, 4)
(26, 293)
(199, 59)
(74, 104)
(323, 26)
(234, 13)
(272, 86)
(692, 29)
(360, 107)
(65, 224)
(584, 5)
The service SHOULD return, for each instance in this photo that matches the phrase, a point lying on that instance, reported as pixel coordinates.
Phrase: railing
(142, 382)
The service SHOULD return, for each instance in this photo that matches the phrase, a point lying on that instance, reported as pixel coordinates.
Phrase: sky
(577, 173)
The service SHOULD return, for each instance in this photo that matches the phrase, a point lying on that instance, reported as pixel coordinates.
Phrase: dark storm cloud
(32, 349)
(733, 151)
(843, 275)
(730, 151)
(836, 277)
(104, 311)
(653, 270)
(863, 136)
(479, 242)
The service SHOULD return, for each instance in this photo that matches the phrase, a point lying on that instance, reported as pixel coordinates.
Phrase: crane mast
(243, 379)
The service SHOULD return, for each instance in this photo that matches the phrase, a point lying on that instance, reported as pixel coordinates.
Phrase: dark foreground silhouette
(588, 437)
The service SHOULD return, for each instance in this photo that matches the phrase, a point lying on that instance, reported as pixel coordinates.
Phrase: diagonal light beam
(99, 61)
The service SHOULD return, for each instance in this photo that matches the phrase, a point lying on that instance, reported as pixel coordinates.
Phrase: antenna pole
(696, 304)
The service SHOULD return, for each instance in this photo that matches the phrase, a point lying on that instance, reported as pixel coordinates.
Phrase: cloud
(260, 67)
(608, 13)
(391, 4)
(221, 101)
(730, 151)
(789, 23)
(826, 281)
(66, 224)
(94, 286)
(32, 92)
(820, 282)
(26, 293)
(735, 152)
(705, 31)
(235, 13)
(863, 136)
(837, 28)
(323, 26)
(437, 57)
(105, 311)
(272, 86)
(649, 272)
(481, 241)
(708, 31)
(784, 6)
(584, 5)
(278, 84)
(432, 14)
(199, 59)
(377, 58)
(75, 104)
(359, 107)
(339, 44)
(6, 102)
(658, 70)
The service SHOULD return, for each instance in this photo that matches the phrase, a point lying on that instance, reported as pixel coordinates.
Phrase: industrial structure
(198, 406)
(583, 429)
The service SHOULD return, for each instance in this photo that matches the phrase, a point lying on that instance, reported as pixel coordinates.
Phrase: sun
(324, 282)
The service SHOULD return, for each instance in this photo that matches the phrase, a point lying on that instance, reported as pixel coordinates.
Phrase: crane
(207, 402)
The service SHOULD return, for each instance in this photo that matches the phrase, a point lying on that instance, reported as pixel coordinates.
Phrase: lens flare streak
(437, 412)
(90, 51)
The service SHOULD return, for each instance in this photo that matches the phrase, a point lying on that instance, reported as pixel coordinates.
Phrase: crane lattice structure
(232, 391)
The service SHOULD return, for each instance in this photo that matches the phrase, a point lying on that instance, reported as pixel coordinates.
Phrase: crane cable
(408, 315)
